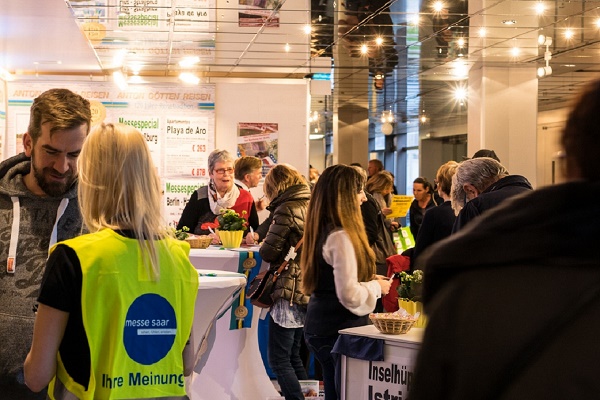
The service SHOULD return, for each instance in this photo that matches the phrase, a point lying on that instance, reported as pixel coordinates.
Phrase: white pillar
(503, 116)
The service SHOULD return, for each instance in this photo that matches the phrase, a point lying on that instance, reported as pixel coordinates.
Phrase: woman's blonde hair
(444, 176)
(380, 182)
(281, 177)
(119, 188)
(334, 205)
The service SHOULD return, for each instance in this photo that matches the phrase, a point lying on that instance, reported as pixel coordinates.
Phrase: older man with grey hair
(481, 184)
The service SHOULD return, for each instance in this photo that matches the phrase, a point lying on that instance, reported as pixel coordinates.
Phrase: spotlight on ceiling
(544, 71)
(544, 40)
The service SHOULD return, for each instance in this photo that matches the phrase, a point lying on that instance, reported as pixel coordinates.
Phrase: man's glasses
(221, 171)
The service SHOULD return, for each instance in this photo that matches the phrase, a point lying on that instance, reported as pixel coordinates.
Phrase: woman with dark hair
(338, 266)
(424, 200)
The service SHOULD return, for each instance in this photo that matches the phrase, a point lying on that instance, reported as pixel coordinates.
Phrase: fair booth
(385, 370)
(229, 363)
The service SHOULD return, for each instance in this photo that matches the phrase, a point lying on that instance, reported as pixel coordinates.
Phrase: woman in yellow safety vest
(116, 305)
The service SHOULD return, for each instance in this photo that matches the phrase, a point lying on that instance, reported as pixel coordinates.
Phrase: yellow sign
(400, 205)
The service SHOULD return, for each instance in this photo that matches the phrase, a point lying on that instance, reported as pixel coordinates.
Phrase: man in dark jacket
(481, 184)
(517, 316)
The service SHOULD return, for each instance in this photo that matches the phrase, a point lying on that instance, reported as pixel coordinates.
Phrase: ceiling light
(119, 58)
(387, 116)
(459, 69)
(189, 62)
(509, 22)
(5, 75)
(414, 20)
(515, 51)
(438, 6)
(136, 79)
(364, 49)
(188, 77)
(313, 136)
(544, 71)
(378, 40)
(544, 40)
(307, 29)
(135, 67)
(569, 34)
(597, 23)
(539, 8)
(482, 32)
(460, 93)
(387, 128)
(120, 79)
(287, 48)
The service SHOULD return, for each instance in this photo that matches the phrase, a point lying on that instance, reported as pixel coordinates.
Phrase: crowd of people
(487, 242)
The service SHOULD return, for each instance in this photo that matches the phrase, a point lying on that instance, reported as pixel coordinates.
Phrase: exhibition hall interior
(411, 83)
(402, 67)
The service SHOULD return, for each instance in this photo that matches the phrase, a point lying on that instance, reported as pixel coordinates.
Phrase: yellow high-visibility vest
(136, 327)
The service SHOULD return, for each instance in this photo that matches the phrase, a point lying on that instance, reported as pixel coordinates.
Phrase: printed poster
(259, 139)
(176, 121)
(400, 205)
(177, 193)
(119, 24)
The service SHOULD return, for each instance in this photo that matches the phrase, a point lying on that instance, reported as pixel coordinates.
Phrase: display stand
(370, 380)
(216, 292)
(233, 368)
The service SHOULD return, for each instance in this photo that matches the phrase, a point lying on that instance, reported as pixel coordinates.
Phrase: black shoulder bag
(261, 288)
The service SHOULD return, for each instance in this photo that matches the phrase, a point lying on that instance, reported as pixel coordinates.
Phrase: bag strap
(291, 255)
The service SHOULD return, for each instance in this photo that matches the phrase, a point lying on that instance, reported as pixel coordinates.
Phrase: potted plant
(409, 294)
(229, 226)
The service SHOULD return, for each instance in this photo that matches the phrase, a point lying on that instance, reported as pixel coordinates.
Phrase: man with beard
(38, 207)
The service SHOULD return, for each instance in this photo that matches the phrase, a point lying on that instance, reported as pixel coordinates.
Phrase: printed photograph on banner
(187, 147)
(256, 13)
(177, 193)
(259, 139)
(151, 127)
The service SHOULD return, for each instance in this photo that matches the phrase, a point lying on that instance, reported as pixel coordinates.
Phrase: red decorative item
(395, 263)
(212, 225)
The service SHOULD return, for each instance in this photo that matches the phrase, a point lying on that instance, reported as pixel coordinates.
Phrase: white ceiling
(44, 38)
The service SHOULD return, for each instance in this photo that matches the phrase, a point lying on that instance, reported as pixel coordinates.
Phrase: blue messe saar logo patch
(150, 329)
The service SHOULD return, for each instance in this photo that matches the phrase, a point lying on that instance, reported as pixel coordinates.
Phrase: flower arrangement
(182, 234)
(228, 220)
(411, 285)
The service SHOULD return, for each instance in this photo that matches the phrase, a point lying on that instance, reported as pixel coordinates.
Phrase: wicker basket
(392, 324)
(199, 242)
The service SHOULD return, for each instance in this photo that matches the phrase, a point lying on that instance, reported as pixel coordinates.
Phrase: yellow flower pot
(231, 239)
(412, 307)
